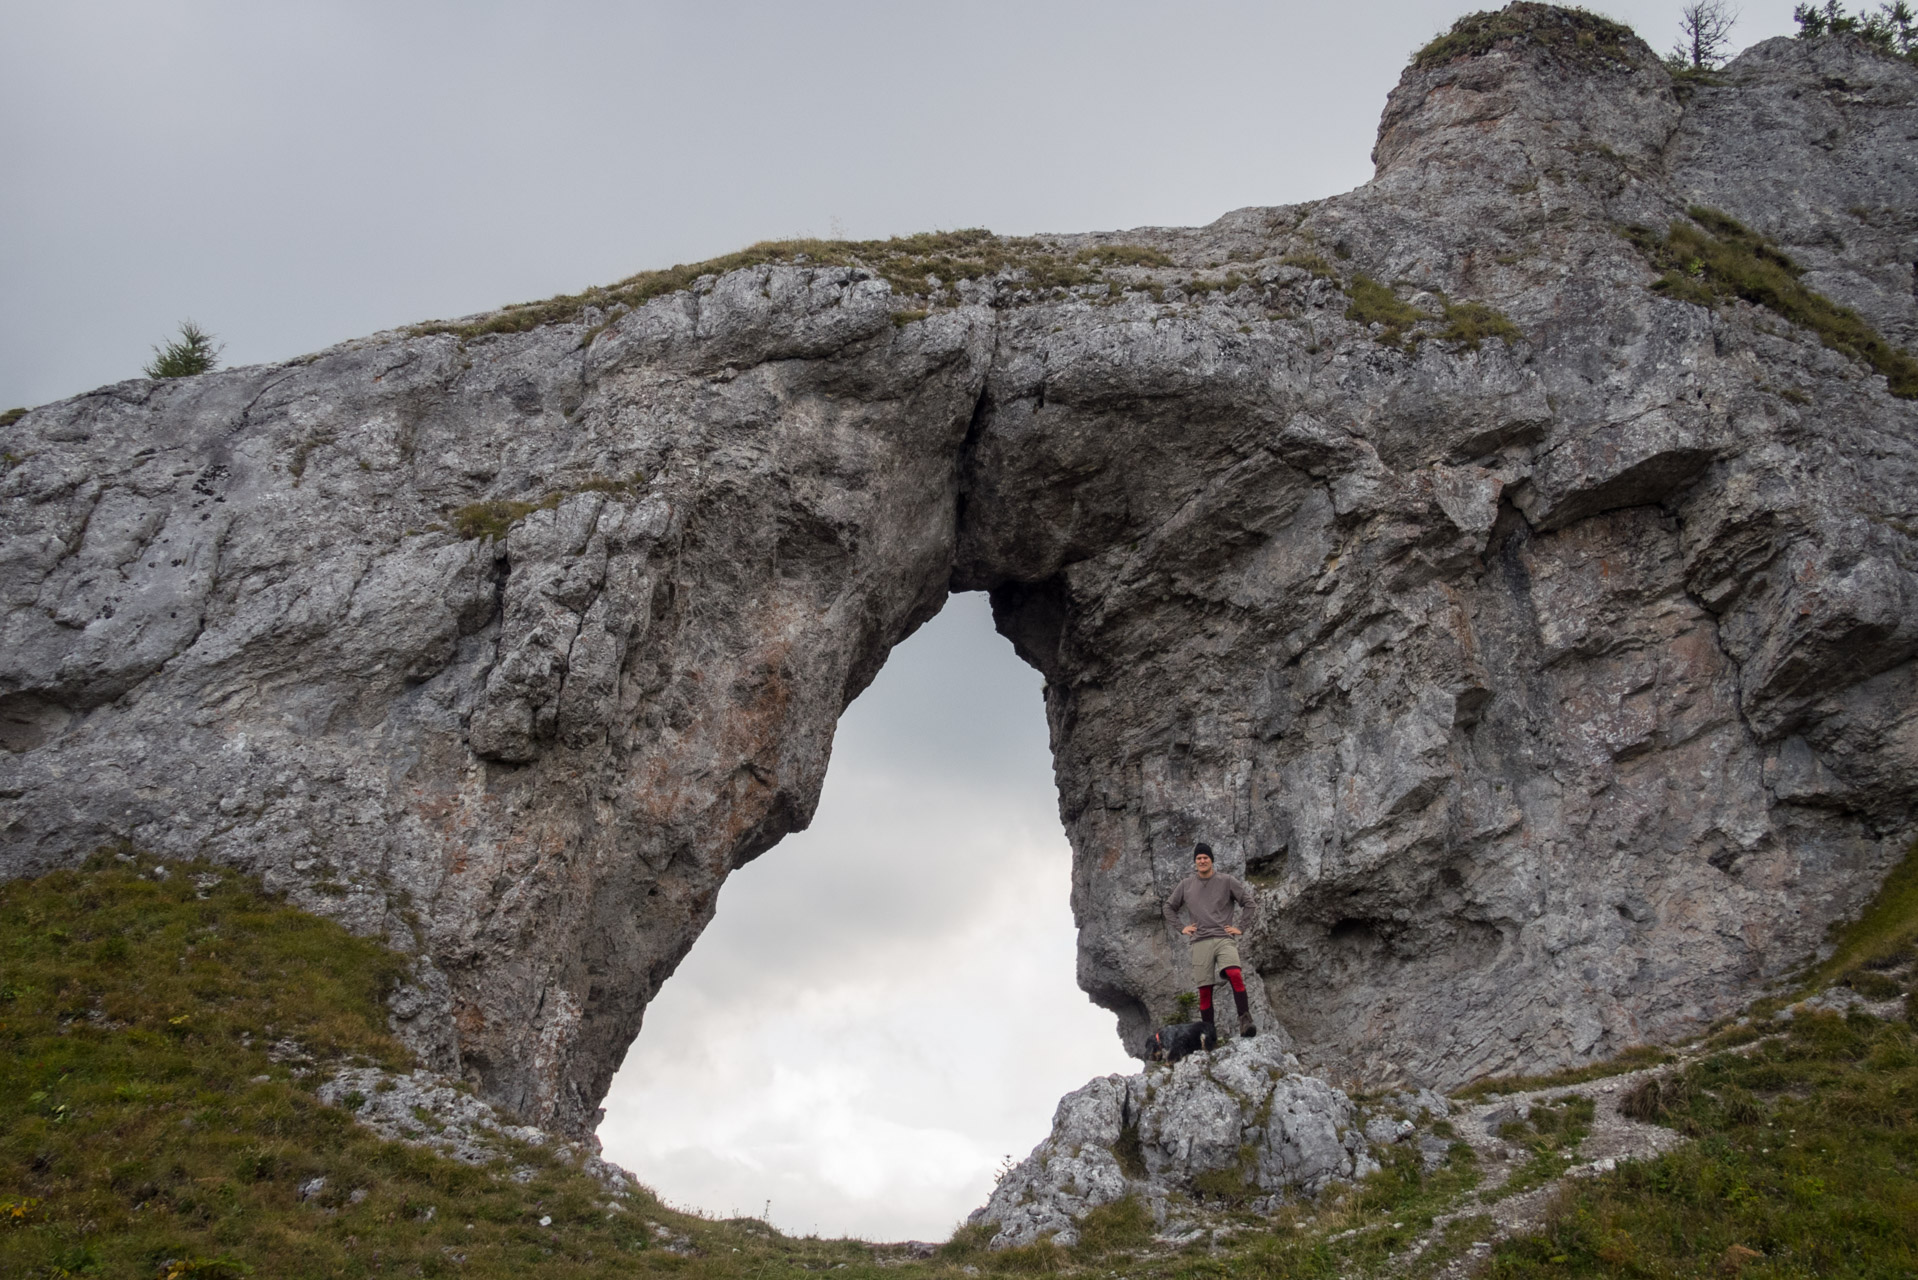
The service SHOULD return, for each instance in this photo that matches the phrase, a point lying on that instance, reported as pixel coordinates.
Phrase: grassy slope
(1806, 1159)
(146, 1130)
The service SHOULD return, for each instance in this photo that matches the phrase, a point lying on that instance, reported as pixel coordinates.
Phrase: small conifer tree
(1893, 29)
(190, 353)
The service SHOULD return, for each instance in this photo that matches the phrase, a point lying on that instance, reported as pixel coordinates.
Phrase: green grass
(1630, 1059)
(904, 262)
(1470, 323)
(11, 416)
(1884, 936)
(139, 1139)
(1465, 324)
(146, 1130)
(495, 517)
(1123, 1224)
(1311, 262)
(1712, 259)
(1575, 35)
(1375, 303)
(1121, 255)
(1805, 1164)
(1551, 1134)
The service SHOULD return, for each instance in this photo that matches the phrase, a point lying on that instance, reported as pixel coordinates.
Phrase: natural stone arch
(1519, 669)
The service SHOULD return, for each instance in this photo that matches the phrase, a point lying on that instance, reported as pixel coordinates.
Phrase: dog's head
(1155, 1047)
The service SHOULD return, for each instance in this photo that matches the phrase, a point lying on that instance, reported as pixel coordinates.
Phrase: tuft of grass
(1129, 1153)
(1713, 258)
(1121, 255)
(901, 319)
(1123, 1224)
(1632, 1058)
(968, 1242)
(1471, 323)
(904, 262)
(11, 416)
(1312, 262)
(1231, 1185)
(1576, 36)
(494, 518)
(1231, 283)
(1375, 303)
(1465, 324)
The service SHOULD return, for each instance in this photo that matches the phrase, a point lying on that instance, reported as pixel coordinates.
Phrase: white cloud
(883, 1008)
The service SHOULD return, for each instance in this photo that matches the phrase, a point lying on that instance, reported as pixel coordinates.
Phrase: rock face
(1552, 687)
(1242, 1114)
(237, 624)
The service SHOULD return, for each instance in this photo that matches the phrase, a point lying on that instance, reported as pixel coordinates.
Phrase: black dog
(1170, 1043)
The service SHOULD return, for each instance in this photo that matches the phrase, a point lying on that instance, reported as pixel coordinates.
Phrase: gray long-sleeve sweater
(1210, 902)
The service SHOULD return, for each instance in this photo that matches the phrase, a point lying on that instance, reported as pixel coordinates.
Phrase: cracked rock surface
(1243, 1111)
(1552, 691)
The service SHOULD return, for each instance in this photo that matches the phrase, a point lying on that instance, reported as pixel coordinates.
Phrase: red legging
(1233, 976)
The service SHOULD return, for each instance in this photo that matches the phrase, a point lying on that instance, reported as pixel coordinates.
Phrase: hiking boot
(1246, 1029)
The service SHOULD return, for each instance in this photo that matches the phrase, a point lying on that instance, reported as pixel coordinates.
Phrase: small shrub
(190, 353)
(11, 416)
(1656, 1099)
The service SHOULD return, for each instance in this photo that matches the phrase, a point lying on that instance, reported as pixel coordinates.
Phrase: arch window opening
(883, 1008)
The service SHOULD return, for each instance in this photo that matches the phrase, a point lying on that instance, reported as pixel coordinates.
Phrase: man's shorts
(1209, 955)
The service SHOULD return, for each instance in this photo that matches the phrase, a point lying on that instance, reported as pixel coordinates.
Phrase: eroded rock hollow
(1536, 636)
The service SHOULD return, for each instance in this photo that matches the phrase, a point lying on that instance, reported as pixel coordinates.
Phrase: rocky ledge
(1241, 1117)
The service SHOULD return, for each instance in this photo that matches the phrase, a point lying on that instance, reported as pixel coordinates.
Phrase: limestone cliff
(1537, 635)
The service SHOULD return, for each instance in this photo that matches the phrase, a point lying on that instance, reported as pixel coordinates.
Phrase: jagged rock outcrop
(1243, 1114)
(1539, 643)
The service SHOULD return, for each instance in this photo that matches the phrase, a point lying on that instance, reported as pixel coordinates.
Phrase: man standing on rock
(1210, 898)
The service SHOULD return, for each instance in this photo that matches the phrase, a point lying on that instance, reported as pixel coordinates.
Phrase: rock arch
(1557, 685)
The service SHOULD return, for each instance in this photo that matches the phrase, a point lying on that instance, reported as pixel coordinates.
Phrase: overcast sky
(292, 175)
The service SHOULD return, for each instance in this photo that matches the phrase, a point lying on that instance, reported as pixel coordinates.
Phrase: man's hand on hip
(1230, 932)
(1191, 928)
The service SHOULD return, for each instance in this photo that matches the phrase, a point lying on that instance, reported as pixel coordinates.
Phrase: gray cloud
(292, 176)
